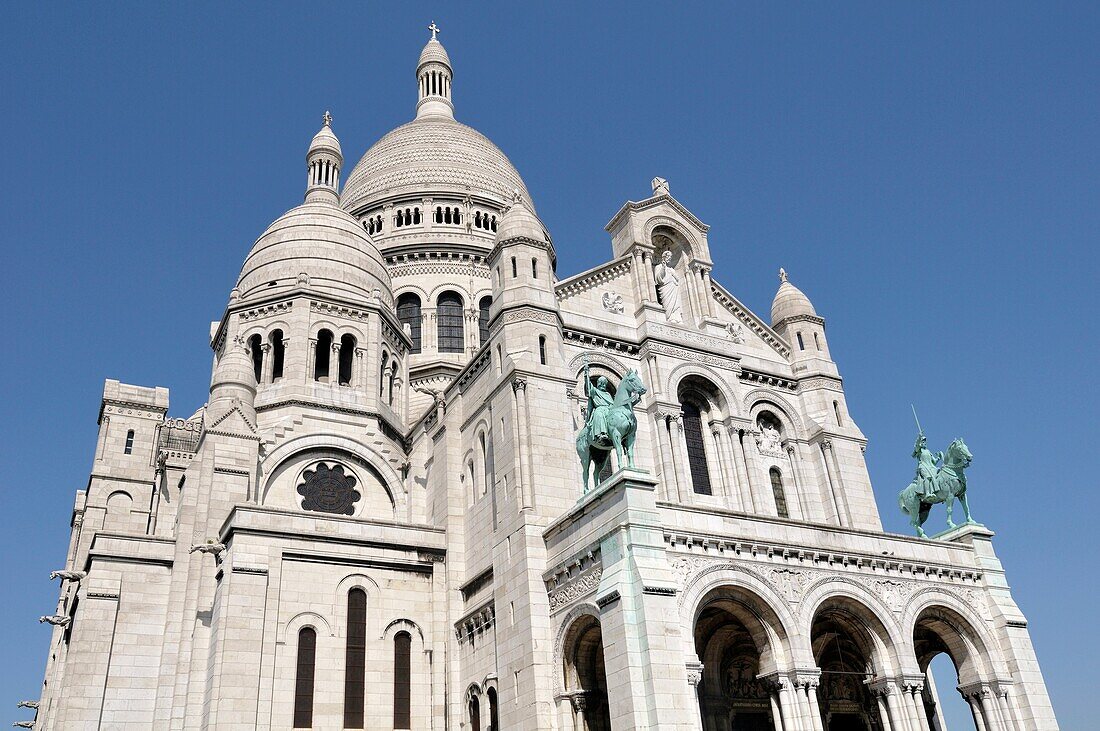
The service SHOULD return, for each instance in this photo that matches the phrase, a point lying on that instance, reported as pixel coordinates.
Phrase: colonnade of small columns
(795, 705)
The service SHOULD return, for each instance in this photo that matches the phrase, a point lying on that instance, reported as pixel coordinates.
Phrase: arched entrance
(844, 650)
(585, 678)
(736, 636)
(940, 634)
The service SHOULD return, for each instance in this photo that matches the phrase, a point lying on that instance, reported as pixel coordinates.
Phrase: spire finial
(782, 274)
(327, 118)
(434, 29)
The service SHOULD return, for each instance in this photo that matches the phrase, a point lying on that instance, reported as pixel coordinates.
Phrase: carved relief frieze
(613, 302)
(833, 384)
(573, 580)
(529, 313)
(717, 361)
(266, 311)
(340, 310)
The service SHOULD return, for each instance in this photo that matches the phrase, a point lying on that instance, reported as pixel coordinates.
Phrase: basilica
(394, 510)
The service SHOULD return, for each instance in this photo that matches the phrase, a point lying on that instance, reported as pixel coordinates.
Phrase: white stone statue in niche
(668, 287)
(613, 302)
(769, 441)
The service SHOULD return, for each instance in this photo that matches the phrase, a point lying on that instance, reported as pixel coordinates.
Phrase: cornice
(651, 202)
(592, 278)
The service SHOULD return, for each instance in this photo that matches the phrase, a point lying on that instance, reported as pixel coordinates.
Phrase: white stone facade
(377, 520)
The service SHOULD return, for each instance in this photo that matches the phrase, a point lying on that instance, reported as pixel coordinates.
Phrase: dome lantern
(433, 78)
(324, 161)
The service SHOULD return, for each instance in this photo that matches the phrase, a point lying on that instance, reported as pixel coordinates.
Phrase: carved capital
(827, 444)
(579, 701)
(694, 673)
(519, 384)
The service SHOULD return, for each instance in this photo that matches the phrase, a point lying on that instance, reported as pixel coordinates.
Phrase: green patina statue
(609, 424)
(936, 484)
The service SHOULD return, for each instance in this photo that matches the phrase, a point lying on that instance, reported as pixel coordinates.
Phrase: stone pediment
(636, 223)
(752, 327)
(232, 421)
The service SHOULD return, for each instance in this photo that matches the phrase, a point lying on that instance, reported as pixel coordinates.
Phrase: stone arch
(286, 452)
(960, 633)
(864, 610)
(304, 619)
(613, 364)
(410, 288)
(575, 613)
(400, 624)
(340, 601)
(705, 373)
(439, 289)
(583, 670)
(772, 622)
(760, 399)
(681, 235)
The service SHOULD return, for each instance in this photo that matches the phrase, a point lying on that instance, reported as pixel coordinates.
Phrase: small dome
(315, 246)
(790, 302)
(519, 222)
(325, 140)
(433, 52)
(234, 369)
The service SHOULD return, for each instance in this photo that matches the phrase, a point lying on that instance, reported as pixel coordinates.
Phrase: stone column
(359, 379)
(311, 362)
(834, 485)
(922, 712)
(795, 497)
(814, 706)
(579, 703)
(733, 490)
(786, 705)
(706, 293)
(268, 363)
(640, 288)
(519, 386)
(695, 676)
(690, 284)
(777, 716)
(759, 497)
(334, 363)
(747, 502)
(650, 284)
(976, 709)
(668, 470)
(883, 711)
(679, 457)
(899, 718)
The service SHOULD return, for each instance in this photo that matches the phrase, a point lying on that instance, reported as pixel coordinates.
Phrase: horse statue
(949, 483)
(616, 415)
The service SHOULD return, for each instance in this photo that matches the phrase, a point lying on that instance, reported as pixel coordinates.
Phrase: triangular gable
(232, 421)
(748, 318)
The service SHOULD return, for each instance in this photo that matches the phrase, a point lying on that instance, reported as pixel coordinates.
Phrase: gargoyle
(68, 575)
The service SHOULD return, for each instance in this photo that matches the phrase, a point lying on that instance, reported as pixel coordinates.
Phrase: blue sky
(927, 173)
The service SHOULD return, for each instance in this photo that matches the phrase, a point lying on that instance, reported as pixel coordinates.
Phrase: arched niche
(330, 481)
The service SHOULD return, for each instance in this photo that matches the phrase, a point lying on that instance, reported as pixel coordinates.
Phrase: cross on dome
(782, 274)
(434, 29)
(327, 119)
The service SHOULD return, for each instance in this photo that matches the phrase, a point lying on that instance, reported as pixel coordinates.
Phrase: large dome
(322, 242)
(432, 154)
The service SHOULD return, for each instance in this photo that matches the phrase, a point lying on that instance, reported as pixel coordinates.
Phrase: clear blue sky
(927, 173)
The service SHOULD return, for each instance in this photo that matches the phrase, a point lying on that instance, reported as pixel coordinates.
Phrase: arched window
(382, 374)
(836, 412)
(449, 315)
(477, 219)
(439, 214)
(447, 214)
(500, 360)
(696, 452)
(777, 492)
(817, 343)
(483, 306)
(347, 359)
(458, 216)
(408, 312)
(402, 677)
(493, 721)
(322, 356)
(475, 714)
(542, 349)
(278, 355)
(493, 225)
(129, 447)
(534, 268)
(303, 679)
(801, 345)
(255, 344)
(392, 378)
(487, 463)
(473, 480)
(515, 272)
(416, 215)
(355, 659)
